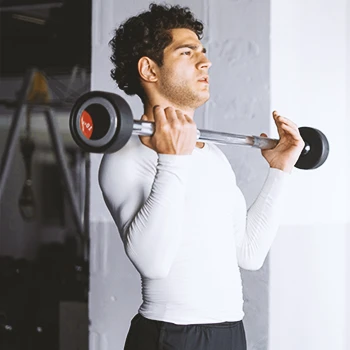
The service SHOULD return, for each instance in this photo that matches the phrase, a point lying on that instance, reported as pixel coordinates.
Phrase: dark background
(44, 278)
(50, 35)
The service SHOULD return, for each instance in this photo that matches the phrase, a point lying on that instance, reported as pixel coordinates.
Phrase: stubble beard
(181, 95)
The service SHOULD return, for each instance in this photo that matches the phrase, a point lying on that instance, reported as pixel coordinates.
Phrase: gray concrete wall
(237, 39)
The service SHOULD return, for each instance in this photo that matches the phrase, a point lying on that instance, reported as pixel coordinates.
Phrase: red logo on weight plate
(86, 125)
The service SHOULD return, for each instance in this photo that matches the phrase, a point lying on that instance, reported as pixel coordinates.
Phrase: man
(182, 218)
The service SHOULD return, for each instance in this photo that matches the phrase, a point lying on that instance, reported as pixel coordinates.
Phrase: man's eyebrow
(190, 46)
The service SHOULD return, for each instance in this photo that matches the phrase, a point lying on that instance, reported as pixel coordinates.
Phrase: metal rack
(81, 220)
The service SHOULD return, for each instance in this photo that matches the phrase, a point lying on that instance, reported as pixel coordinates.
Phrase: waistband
(227, 324)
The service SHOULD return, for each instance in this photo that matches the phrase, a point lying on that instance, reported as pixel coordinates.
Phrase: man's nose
(205, 63)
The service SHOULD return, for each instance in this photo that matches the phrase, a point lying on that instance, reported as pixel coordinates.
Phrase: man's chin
(203, 99)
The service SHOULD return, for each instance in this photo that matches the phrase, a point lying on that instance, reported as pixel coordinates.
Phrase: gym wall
(43, 302)
(292, 56)
(237, 39)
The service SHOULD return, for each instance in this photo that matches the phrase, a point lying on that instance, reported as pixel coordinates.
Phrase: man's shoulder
(218, 152)
(222, 159)
(134, 155)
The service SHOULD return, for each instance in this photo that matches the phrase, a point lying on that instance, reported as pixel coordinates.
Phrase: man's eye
(186, 53)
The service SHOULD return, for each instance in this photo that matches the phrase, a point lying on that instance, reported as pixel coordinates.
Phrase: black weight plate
(73, 124)
(101, 122)
(318, 152)
(125, 123)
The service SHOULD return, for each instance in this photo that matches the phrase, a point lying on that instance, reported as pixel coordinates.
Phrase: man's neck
(149, 105)
(148, 111)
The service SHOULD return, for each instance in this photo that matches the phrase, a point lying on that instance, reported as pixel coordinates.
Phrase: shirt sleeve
(147, 208)
(257, 231)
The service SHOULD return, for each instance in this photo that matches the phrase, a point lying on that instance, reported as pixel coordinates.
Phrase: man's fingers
(279, 118)
(159, 114)
(145, 139)
(288, 122)
(291, 131)
(276, 117)
(181, 116)
(170, 114)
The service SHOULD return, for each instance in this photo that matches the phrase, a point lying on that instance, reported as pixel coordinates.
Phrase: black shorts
(145, 334)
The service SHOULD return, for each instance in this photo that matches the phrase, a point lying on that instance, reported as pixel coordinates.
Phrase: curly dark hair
(147, 34)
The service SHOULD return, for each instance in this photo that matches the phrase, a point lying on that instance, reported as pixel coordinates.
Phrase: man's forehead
(181, 36)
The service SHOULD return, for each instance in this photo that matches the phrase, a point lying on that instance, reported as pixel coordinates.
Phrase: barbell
(102, 122)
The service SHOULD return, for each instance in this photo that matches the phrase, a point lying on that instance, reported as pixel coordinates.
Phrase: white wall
(347, 126)
(308, 264)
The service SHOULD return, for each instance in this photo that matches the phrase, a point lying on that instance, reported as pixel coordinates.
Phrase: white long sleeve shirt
(186, 229)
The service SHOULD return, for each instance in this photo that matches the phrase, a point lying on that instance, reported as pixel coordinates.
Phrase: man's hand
(174, 132)
(286, 153)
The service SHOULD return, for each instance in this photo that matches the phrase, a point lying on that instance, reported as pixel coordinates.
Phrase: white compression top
(185, 227)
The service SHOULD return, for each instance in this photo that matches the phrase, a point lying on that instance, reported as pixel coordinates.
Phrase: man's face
(183, 78)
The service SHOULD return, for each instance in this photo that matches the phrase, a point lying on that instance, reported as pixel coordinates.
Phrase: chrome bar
(143, 128)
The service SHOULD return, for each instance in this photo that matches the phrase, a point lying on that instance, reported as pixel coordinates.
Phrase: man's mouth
(204, 80)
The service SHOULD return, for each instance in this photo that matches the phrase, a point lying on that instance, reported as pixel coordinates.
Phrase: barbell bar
(102, 122)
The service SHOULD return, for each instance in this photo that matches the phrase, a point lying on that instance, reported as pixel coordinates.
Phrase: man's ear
(147, 69)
